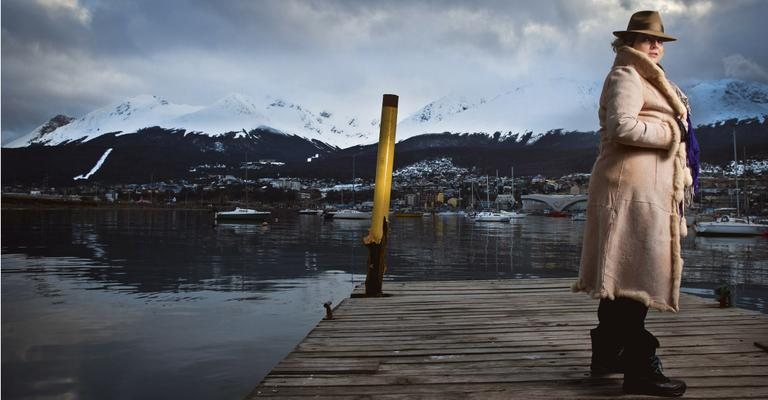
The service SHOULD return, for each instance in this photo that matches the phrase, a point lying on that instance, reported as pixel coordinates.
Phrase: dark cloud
(27, 22)
(72, 56)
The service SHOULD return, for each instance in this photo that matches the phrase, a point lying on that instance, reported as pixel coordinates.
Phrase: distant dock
(507, 339)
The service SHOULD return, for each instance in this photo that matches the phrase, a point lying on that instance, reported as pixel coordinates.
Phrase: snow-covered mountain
(715, 101)
(126, 116)
(233, 113)
(572, 106)
(326, 126)
(536, 107)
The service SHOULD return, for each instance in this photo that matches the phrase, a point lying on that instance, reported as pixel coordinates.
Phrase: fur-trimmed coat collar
(649, 70)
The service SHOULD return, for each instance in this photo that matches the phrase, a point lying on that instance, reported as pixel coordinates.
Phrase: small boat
(579, 216)
(241, 214)
(448, 213)
(730, 226)
(489, 216)
(352, 214)
(513, 214)
(310, 211)
(408, 214)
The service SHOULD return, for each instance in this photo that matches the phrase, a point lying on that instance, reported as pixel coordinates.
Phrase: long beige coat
(632, 236)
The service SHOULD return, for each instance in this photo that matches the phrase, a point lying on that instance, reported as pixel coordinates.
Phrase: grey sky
(72, 56)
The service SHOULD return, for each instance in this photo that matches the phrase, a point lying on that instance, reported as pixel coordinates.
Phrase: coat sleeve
(623, 103)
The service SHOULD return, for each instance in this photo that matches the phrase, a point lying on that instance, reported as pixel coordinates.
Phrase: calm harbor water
(127, 304)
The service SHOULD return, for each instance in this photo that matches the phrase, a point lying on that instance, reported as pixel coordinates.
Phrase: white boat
(489, 216)
(310, 211)
(448, 213)
(352, 214)
(513, 214)
(729, 226)
(579, 216)
(241, 214)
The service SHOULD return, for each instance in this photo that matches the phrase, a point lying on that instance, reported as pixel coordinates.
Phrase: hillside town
(427, 186)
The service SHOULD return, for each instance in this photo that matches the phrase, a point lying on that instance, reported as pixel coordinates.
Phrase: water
(126, 304)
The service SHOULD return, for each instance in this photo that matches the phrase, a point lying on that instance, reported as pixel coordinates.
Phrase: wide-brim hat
(646, 22)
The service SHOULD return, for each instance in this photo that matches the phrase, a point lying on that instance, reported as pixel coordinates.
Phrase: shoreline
(22, 201)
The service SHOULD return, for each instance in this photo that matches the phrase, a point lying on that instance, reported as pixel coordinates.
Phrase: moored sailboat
(242, 214)
(351, 214)
(730, 226)
(490, 216)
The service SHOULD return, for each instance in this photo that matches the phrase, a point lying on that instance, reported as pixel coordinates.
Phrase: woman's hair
(624, 40)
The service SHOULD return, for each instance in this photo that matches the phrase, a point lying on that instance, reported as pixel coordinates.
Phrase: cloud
(72, 56)
(690, 8)
(51, 82)
(739, 67)
(70, 8)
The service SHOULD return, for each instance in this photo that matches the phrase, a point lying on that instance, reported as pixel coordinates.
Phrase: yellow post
(376, 239)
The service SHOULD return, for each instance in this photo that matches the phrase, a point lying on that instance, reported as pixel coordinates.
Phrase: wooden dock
(507, 339)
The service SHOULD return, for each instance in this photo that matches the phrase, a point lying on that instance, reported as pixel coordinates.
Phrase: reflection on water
(160, 304)
(454, 247)
(740, 262)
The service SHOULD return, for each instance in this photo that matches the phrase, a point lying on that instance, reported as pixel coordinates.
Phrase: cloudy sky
(72, 56)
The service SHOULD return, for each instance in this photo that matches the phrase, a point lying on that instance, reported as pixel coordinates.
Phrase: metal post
(376, 240)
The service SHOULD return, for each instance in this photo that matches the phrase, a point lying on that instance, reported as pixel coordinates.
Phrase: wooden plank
(463, 342)
(506, 339)
(555, 388)
(606, 390)
(568, 330)
(392, 379)
(532, 350)
(496, 325)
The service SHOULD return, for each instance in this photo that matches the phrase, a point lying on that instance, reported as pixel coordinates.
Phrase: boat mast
(472, 194)
(487, 193)
(735, 172)
(353, 181)
(512, 171)
(246, 179)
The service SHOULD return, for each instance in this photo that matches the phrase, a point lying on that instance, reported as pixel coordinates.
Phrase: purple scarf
(693, 151)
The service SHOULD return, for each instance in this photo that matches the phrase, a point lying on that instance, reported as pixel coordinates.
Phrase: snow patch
(95, 167)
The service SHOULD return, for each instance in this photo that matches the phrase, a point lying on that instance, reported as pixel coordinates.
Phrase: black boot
(606, 353)
(644, 375)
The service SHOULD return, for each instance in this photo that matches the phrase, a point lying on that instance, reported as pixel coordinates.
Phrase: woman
(631, 253)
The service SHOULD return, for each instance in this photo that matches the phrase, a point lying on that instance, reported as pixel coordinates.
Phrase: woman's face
(651, 46)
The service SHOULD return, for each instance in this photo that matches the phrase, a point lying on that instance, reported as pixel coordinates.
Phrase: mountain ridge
(176, 155)
(553, 104)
